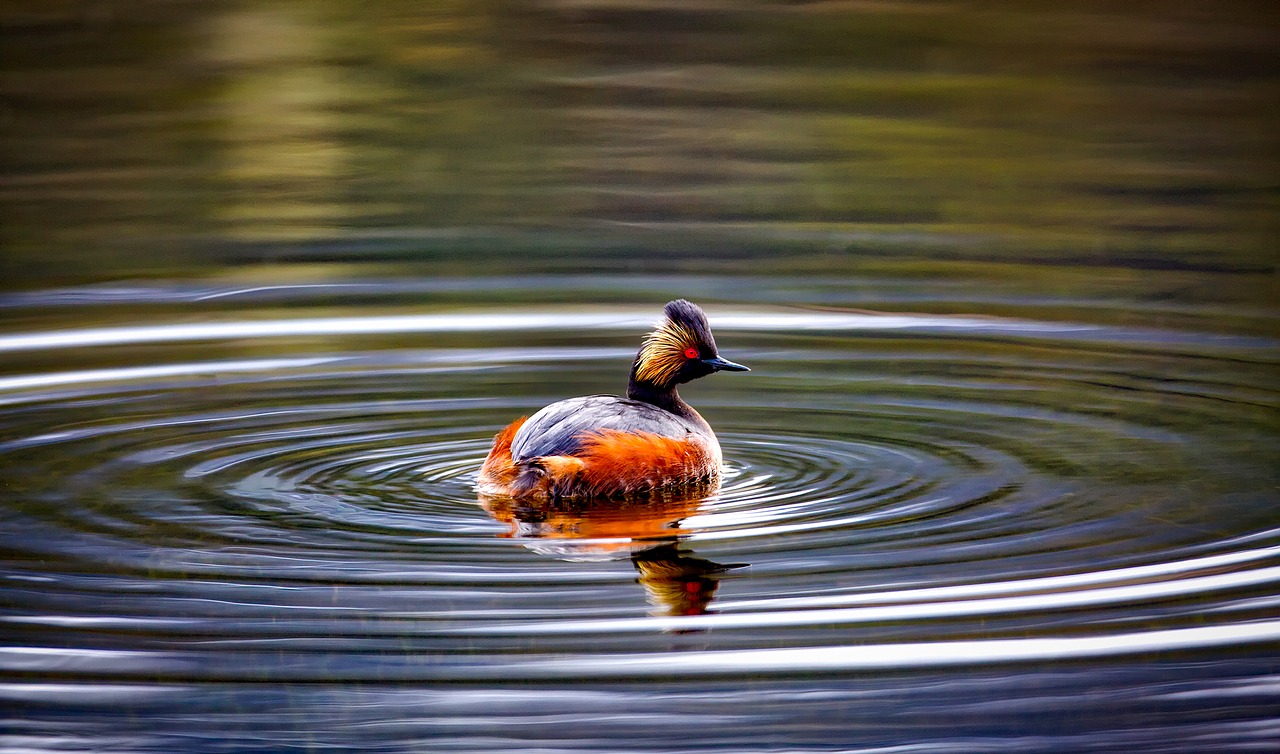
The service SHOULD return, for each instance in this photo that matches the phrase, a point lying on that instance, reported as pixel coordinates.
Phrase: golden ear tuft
(662, 353)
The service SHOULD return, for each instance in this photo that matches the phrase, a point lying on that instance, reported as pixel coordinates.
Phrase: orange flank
(610, 463)
(499, 471)
(620, 463)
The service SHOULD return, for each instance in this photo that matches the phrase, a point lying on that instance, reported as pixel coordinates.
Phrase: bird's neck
(667, 399)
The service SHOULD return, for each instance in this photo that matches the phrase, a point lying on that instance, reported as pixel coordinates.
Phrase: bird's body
(567, 427)
(606, 446)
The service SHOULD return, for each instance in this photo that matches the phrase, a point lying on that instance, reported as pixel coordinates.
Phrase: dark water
(1003, 477)
(940, 532)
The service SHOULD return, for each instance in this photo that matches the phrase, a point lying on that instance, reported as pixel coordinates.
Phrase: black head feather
(690, 316)
(679, 350)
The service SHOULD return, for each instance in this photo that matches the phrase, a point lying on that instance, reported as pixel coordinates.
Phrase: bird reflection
(675, 582)
(647, 531)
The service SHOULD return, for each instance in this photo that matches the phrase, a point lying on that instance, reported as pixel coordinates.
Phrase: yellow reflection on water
(675, 581)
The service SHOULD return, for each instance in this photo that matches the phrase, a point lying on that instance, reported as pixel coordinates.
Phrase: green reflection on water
(623, 136)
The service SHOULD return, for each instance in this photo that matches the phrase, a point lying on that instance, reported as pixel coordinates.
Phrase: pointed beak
(724, 365)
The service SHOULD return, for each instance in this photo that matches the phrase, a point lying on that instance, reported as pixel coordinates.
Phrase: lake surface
(1003, 478)
(962, 532)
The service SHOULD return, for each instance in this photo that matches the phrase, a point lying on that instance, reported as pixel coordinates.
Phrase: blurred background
(1048, 147)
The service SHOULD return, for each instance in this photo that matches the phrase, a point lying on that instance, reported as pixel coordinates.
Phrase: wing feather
(563, 427)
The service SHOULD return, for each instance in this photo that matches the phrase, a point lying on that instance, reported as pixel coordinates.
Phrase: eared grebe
(604, 446)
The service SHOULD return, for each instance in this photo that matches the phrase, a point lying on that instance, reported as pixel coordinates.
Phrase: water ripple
(904, 495)
(794, 322)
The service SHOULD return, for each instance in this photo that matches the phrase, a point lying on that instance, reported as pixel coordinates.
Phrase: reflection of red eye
(691, 353)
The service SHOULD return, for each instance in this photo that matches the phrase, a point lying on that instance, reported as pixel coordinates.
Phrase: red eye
(691, 353)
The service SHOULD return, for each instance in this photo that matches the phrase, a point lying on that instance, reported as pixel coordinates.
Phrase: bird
(603, 446)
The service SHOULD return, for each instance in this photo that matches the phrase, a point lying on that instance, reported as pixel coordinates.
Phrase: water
(1002, 478)
(963, 532)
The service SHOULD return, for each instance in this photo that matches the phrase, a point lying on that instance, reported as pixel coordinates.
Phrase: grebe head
(679, 350)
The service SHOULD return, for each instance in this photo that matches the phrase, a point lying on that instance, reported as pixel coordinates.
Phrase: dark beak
(724, 365)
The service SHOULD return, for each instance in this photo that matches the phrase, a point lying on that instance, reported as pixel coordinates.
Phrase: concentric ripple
(904, 494)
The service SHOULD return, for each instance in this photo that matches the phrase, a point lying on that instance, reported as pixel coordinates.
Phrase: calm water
(1003, 478)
